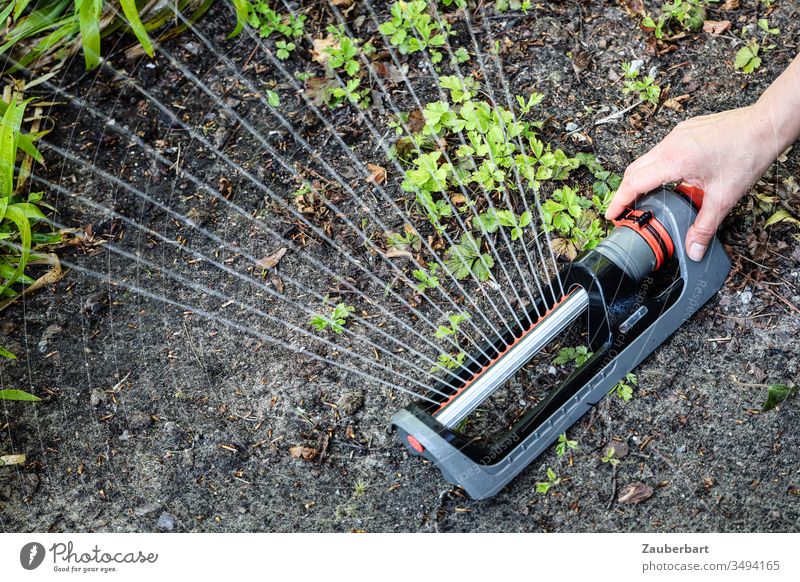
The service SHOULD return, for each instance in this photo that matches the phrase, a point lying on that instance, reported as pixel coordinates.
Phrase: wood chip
(271, 261)
(305, 453)
(635, 493)
(716, 27)
(377, 174)
(319, 53)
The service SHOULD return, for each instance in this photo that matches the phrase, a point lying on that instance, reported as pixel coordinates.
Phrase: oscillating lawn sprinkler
(637, 287)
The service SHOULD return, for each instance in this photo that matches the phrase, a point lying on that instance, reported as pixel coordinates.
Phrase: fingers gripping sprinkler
(637, 287)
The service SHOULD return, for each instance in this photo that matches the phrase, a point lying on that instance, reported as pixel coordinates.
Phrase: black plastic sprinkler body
(637, 288)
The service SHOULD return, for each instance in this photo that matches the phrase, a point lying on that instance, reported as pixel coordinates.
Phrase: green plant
(427, 280)
(608, 457)
(624, 388)
(455, 320)
(645, 88)
(564, 444)
(682, 14)
(359, 489)
(46, 32)
(777, 393)
(748, 58)
(465, 258)
(448, 361)
(552, 480)
(336, 321)
(269, 21)
(579, 355)
(18, 215)
(412, 29)
(491, 220)
(505, 5)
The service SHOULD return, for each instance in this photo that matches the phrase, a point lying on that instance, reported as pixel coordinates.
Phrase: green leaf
(243, 9)
(780, 216)
(747, 58)
(6, 354)
(776, 394)
(273, 98)
(19, 395)
(131, 12)
(89, 12)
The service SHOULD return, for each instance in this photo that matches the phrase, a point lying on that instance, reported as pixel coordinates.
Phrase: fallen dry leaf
(343, 3)
(416, 121)
(676, 103)
(319, 53)
(12, 460)
(635, 493)
(716, 27)
(564, 248)
(272, 260)
(377, 174)
(634, 7)
(305, 453)
(730, 5)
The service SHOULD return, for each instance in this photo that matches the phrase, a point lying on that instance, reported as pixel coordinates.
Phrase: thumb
(702, 231)
(646, 173)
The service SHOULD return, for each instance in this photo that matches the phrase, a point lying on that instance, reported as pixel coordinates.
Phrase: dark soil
(172, 410)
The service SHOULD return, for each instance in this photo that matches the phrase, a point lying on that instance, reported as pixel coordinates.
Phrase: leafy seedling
(608, 457)
(645, 87)
(456, 320)
(552, 480)
(564, 444)
(578, 355)
(748, 58)
(336, 321)
(466, 258)
(624, 388)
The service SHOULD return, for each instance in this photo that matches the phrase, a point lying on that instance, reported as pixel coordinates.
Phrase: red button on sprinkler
(415, 444)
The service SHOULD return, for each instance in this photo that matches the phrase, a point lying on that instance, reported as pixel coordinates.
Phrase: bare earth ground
(155, 419)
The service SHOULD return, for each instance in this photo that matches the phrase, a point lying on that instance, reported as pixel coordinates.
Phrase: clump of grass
(44, 33)
(19, 214)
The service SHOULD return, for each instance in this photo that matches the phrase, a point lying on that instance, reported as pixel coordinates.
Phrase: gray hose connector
(629, 251)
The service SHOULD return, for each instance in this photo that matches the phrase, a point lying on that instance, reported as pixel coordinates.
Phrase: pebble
(746, 297)
(96, 397)
(572, 126)
(146, 509)
(49, 333)
(166, 521)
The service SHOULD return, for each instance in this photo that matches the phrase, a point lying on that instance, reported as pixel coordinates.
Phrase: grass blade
(243, 8)
(135, 22)
(20, 395)
(89, 18)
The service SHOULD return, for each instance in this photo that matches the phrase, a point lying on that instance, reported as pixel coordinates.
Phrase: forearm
(778, 111)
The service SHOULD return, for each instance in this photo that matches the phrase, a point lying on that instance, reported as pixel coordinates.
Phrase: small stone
(166, 521)
(572, 126)
(96, 397)
(746, 297)
(620, 449)
(95, 304)
(145, 509)
(350, 402)
(49, 333)
(125, 436)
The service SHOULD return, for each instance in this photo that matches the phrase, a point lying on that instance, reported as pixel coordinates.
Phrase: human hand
(724, 154)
